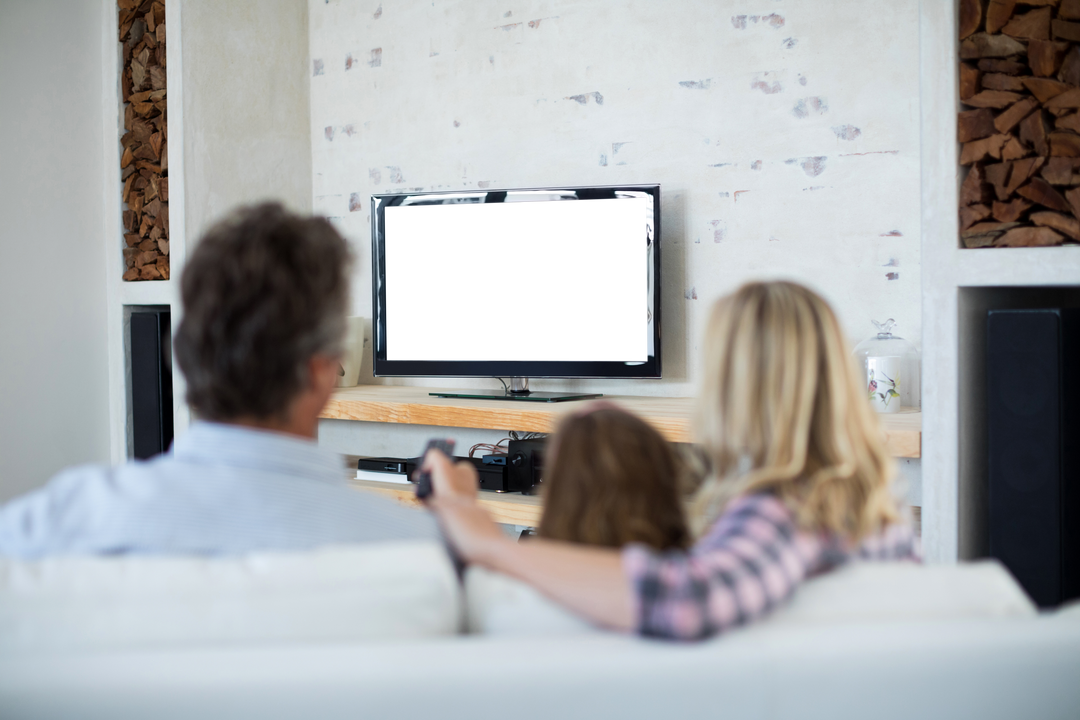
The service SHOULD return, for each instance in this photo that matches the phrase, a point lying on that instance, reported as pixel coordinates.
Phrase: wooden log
(1066, 224)
(164, 157)
(157, 77)
(149, 272)
(982, 45)
(1034, 25)
(1011, 211)
(1008, 119)
(974, 188)
(141, 129)
(984, 234)
(163, 190)
(145, 152)
(972, 214)
(163, 246)
(1042, 193)
(969, 80)
(1044, 88)
(127, 188)
(1001, 81)
(147, 245)
(1059, 170)
(1070, 67)
(1063, 103)
(1064, 144)
(1021, 171)
(998, 14)
(979, 150)
(127, 158)
(1069, 10)
(155, 145)
(1013, 149)
(1033, 132)
(132, 273)
(1073, 198)
(1066, 30)
(152, 208)
(1029, 237)
(998, 175)
(974, 125)
(970, 17)
(1045, 56)
(132, 239)
(1068, 122)
(1008, 67)
(164, 270)
(993, 99)
(128, 220)
(145, 257)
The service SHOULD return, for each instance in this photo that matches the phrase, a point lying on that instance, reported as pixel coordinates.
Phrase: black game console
(493, 474)
(525, 465)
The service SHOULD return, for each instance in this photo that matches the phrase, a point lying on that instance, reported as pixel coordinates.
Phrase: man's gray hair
(264, 291)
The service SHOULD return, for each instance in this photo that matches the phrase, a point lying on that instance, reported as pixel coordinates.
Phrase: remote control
(423, 480)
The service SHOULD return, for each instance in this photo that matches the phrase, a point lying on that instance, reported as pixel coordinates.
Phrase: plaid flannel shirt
(749, 562)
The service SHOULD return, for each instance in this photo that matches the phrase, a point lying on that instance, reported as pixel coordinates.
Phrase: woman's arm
(588, 581)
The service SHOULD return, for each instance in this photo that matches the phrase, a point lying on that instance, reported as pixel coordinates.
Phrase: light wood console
(413, 406)
(671, 416)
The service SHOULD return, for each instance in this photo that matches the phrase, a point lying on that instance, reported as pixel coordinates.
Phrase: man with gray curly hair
(265, 295)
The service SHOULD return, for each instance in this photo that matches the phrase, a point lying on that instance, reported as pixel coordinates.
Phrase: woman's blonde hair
(781, 411)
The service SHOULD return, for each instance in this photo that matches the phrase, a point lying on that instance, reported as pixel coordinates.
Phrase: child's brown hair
(611, 479)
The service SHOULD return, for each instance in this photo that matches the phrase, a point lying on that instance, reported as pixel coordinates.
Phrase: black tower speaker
(1033, 422)
(151, 383)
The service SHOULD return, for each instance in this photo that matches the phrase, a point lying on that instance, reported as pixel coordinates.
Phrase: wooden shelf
(671, 416)
(508, 508)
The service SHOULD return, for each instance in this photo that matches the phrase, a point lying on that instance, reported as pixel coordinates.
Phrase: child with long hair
(610, 480)
(801, 483)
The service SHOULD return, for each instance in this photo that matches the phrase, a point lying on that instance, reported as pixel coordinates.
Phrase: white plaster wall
(475, 93)
(53, 348)
(245, 107)
(727, 112)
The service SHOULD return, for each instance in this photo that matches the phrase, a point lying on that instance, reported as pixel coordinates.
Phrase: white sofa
(373, 631)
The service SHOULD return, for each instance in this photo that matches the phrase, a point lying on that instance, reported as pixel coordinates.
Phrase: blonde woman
(801, 483)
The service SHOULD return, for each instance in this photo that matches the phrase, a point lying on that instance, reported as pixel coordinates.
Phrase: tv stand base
(547, 397)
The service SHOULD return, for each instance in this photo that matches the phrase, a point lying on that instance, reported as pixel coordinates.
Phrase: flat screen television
(559, 282)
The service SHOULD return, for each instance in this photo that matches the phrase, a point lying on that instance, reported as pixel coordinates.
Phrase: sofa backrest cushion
(377, 591)
(858, 592)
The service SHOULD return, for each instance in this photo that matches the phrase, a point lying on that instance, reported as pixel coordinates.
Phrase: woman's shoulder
(758, 515)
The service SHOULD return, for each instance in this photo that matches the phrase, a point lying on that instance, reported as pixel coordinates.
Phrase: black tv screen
(549, 282)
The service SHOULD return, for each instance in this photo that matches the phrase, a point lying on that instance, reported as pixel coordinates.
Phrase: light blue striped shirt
(221, 489)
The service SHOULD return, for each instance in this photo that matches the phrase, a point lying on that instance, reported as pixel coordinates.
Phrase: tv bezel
(648, 369)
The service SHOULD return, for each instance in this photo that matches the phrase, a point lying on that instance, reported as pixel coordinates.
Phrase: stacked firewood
(144, 162)
(1020, 77)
